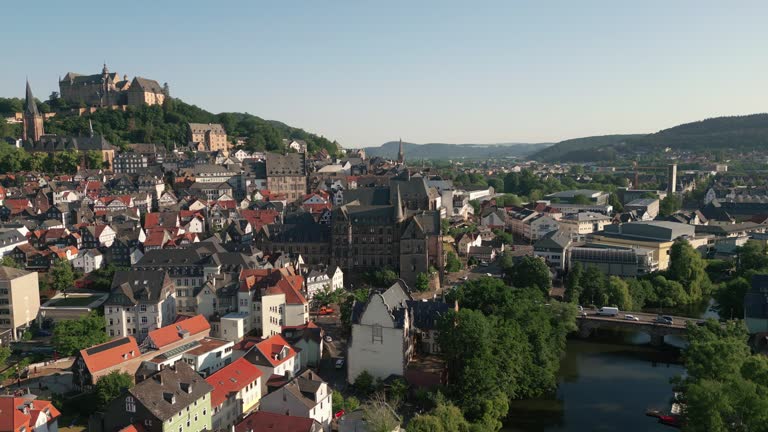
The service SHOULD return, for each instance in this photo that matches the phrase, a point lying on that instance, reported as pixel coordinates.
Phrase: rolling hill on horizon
(728, 133)
(454, 151)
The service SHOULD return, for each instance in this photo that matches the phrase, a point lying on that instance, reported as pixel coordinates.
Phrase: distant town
(167, 269)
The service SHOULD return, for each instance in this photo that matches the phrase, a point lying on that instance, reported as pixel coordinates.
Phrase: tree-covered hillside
(736, 133)
(165, 125)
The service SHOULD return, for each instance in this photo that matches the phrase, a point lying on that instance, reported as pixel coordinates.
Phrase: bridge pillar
(657, 340)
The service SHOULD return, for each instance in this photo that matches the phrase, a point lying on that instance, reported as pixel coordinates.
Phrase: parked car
(629, 317)
(339, 363)
(328, 338)
(484, 263)
(581, 308)
(465, 277)
(325, 310)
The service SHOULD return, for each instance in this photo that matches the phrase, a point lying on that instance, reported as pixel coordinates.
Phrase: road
(643, 318)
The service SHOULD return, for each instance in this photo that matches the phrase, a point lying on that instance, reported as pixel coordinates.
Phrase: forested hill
(166, 125)
(735, 133)
(454, 151)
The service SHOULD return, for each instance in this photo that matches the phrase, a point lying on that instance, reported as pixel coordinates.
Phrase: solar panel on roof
(107, 346)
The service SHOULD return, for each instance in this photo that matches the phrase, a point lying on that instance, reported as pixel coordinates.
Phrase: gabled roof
(268, 351)
(231, 379)
(262, 421)
(171, 390)
(178, 331)
(13, 417)
(110, 354)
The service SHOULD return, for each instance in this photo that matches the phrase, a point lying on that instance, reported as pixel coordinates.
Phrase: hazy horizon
(440, 72)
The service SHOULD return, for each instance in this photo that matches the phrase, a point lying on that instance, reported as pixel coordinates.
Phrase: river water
(606, 383)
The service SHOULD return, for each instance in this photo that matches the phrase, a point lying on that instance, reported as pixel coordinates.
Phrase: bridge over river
(645, 323)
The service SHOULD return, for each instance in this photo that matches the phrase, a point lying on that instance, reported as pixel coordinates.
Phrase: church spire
(30, 106)
(398, 206)
(32, 125)
(401, 153)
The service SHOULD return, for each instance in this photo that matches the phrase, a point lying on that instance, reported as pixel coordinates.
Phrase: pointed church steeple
(401, 153)
(33, 122)
(30, 107)
(398, 206)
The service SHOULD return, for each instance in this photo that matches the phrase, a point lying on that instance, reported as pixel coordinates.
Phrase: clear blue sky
(364, 72)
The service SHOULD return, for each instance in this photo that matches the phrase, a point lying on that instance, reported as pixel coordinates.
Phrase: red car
(339, 414)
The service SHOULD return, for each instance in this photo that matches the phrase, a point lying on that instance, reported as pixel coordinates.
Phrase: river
(606, 383)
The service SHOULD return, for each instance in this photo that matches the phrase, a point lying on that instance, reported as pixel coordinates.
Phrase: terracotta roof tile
(231, 379)
(170, 333)
(110, 354)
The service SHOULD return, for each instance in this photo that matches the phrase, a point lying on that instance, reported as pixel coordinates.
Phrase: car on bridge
(629, 317)
(664, 319)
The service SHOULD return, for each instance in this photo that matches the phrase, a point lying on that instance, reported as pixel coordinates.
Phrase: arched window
(130, 404)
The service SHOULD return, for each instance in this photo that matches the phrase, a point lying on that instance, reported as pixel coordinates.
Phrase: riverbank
(605, 383)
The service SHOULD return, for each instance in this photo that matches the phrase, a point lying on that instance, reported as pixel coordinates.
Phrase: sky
(366, 72)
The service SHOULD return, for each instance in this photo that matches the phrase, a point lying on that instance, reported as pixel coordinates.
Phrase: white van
(608, 311)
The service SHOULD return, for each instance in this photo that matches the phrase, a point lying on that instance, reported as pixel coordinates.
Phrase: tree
(422, 282)
(379, 416)
(345, 309)
(452, 263)
(531, 272)
(425, 423)
(71, 336)
(726, 388)
(475, 206)
(62, 277)
(687, 267)
(496, 184)
(614, 201)
(573, 284)
(581, 200)
(111, 385)
(8, 261)
(618, 293)
(669, 205)
(730, 297)
(364, 383)
(93, 159)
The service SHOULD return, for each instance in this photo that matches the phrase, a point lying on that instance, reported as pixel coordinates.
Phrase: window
(130, 404)
(143, 320)
(377, 334)
(143, 308)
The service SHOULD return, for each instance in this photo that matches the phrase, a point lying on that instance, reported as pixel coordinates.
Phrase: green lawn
(74, 301)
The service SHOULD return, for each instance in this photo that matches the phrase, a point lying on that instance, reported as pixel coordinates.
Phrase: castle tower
(33, 120)
(401, 153)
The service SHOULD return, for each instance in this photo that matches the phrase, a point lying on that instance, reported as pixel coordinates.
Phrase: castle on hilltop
(108, 89)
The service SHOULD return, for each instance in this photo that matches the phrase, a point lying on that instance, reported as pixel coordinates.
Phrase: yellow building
(654, 236)
(19, 299)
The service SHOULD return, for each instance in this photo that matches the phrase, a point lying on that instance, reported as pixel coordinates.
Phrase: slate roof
(557, 240)
(61, 143)
(179, 382)
(137, 286)
(146, 85)
(426, 314)
(9, 273)
(289, 164)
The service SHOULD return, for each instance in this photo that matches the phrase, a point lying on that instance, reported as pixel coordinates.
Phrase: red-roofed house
(27, 415)
(236, 391)
(261, 421)
(99, 360)
(274, 356)
(195, 327)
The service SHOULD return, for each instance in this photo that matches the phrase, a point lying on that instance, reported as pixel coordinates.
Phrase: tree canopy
(70, 336)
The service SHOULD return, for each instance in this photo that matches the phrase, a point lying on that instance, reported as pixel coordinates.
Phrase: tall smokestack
(672, 178)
